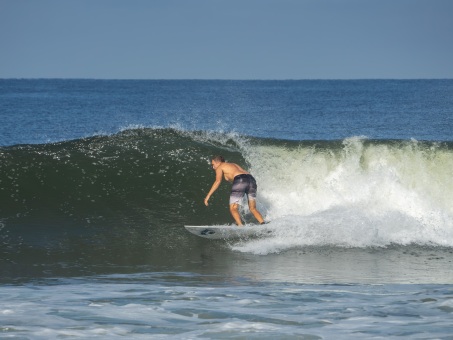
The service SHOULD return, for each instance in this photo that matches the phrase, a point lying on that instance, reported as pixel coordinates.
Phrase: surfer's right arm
(215, 186)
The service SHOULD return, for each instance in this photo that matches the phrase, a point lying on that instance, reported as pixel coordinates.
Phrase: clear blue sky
(226, 39)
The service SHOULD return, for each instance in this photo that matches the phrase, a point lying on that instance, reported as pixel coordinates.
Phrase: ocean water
(98, 178)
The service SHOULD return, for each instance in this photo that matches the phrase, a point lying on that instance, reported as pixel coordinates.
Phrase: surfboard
(228, 231)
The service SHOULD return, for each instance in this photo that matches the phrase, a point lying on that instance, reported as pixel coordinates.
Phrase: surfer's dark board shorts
(243, 184)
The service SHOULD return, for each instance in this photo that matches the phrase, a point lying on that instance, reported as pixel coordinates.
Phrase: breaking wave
(126, 196)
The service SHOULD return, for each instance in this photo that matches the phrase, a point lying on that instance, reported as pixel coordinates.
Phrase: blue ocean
(99, 177)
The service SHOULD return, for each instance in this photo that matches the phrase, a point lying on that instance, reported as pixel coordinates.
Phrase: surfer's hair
(218, 158)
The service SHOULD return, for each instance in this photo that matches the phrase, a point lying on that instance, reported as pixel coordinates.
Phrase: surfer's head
(216, 161)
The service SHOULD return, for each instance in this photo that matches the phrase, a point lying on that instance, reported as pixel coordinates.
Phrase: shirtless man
(243, 183)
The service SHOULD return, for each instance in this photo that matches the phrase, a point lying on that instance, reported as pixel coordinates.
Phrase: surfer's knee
(234, 207)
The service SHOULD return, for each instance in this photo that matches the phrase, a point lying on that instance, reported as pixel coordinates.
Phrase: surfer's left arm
(215, 186)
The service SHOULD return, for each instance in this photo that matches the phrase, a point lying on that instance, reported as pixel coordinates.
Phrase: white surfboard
(228, 231)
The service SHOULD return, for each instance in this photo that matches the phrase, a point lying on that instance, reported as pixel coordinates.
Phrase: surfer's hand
(206, 201)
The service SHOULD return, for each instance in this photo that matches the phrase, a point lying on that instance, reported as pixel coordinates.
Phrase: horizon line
(216, 79)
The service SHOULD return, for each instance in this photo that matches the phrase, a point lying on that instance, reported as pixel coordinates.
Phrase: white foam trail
(357, 194)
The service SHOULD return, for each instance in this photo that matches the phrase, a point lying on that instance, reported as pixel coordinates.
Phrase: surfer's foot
(264, 222)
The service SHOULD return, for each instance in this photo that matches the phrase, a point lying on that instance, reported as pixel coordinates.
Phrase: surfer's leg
(235, 213)
(251, 197)
(254, 211)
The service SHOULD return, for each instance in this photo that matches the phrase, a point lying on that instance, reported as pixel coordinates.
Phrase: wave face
(124, 198)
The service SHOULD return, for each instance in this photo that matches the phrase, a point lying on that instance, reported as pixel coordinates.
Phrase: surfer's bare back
(243, 184)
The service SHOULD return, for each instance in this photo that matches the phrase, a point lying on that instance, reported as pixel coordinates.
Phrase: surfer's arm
(215, 186)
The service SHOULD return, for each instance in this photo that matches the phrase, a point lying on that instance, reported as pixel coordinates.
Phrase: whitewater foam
(356, 193)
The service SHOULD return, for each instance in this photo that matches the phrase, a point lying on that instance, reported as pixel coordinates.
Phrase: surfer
(243, 183)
